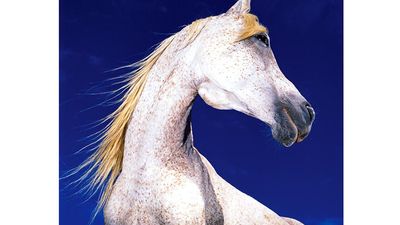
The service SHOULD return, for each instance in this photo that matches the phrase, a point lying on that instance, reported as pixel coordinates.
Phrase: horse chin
(285, 130)
(286, 137)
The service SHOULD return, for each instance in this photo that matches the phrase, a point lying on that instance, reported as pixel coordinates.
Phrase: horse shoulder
(238, 207)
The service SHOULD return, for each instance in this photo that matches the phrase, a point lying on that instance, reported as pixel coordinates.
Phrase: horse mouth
(287, 130)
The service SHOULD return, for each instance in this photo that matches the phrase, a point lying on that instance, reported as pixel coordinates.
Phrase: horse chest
(174, 199)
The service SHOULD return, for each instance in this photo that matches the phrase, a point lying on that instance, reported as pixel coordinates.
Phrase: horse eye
(263, 38)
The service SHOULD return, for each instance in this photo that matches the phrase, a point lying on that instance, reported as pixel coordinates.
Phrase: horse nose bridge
(283, 85)
(289, 92)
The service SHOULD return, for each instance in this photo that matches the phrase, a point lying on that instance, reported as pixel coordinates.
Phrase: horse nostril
(311, 112)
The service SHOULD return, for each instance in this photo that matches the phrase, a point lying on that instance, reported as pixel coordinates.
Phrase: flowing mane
(105, 164)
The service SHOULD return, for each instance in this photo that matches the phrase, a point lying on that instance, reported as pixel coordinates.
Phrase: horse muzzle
(292, 122)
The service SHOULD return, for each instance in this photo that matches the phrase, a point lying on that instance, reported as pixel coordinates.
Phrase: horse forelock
(251, 26)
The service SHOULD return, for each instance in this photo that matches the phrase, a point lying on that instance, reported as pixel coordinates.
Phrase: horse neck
(160, 131)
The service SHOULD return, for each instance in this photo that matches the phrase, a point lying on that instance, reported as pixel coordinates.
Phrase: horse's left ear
(240, 7)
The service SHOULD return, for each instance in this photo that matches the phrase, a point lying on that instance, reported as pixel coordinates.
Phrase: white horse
(146, 161)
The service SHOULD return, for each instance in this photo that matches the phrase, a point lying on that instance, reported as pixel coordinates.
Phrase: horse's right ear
(240, 7)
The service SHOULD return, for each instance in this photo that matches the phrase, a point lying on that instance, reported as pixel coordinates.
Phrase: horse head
(235, 68)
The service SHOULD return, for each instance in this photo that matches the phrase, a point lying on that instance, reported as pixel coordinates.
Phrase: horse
(146, 164)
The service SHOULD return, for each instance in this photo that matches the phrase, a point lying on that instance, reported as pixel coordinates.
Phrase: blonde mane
(105, 164)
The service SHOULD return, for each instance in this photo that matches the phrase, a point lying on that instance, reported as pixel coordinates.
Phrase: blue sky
(304, 182)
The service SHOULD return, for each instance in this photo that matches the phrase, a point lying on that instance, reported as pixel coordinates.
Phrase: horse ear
(240, 7)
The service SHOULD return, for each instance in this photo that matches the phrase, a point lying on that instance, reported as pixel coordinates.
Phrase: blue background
(304, 182)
